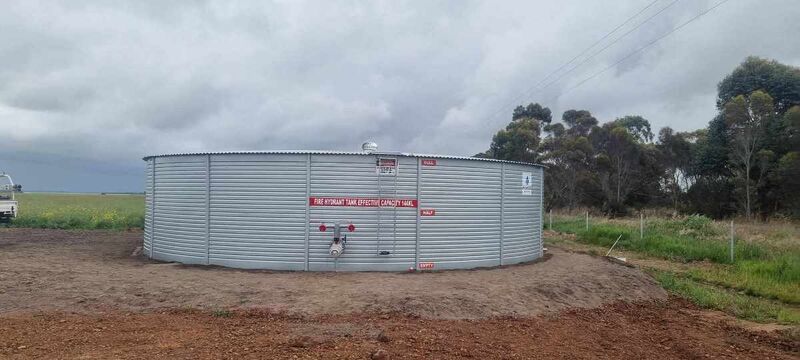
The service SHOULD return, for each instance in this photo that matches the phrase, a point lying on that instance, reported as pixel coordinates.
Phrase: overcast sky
(88, 88)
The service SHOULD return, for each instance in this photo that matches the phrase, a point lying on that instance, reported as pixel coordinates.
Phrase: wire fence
(641, 229)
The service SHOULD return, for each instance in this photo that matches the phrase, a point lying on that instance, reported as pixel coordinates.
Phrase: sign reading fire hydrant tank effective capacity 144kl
(527, 183)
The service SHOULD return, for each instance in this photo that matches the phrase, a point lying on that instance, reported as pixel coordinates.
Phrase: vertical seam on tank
(378, 217)
(308, 211)
(419, 206)
(153, 211)
(541, 211)
(502, 207)
(208, 209)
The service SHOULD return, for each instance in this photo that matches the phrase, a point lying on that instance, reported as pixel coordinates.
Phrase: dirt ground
(670, 330)
(79, 294)
(93, 270)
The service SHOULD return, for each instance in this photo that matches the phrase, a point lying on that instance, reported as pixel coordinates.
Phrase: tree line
(745, 161)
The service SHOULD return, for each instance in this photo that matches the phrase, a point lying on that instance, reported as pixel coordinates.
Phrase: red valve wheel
(323, 228)
(351, 227)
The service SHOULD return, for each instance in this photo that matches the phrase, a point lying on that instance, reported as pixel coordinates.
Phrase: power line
(502, 108)
(596, 42)
(533, 89)
(641, 48)
(607, 46)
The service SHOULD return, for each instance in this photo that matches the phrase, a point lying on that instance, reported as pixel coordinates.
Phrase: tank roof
(324, 152)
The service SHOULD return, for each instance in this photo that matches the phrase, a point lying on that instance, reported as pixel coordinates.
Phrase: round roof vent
(369, 147)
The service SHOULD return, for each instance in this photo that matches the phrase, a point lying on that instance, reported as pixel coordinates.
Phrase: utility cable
(642, 48)
(533, 90)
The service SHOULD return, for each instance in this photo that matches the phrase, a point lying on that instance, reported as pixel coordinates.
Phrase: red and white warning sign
(428, 162)
(361, 202)
(427, 212)
(386, 167)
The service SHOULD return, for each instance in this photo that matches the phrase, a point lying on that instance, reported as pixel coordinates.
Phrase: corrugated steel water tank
(268, 210)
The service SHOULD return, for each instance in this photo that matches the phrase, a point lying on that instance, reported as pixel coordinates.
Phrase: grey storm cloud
(108, 82)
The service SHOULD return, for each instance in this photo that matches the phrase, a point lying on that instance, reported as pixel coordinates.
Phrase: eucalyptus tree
(616, 163)
(568, 156)
(675, 152)
(520, 139)
(747, 117)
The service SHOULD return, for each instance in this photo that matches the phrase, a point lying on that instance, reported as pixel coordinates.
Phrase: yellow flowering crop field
(80, 211)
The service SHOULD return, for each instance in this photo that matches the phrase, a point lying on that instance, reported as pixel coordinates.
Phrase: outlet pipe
(339, 241)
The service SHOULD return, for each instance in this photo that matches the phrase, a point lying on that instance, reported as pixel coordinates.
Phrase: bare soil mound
(87, 271)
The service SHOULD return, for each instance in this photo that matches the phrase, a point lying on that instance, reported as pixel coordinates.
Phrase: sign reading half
(527, 183)
(386, 167)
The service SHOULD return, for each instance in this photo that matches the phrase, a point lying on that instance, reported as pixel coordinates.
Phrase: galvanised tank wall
(252, 211)
(258, 211)
(354, 176)
(180, 221)
(522, 215)
(465, 230)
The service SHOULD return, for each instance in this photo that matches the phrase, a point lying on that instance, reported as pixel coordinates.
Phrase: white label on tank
(527, 183)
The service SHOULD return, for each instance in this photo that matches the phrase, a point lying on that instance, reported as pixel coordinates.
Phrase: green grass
(663, 243)
(79, 211)
(741, 305)
(760, 284)
(777, 278)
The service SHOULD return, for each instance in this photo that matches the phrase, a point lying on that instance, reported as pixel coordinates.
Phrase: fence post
(587, 220)
(733, 234)
(551, 220)
(641, 226)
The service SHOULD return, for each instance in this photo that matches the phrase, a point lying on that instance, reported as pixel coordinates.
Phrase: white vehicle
(8, 206)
